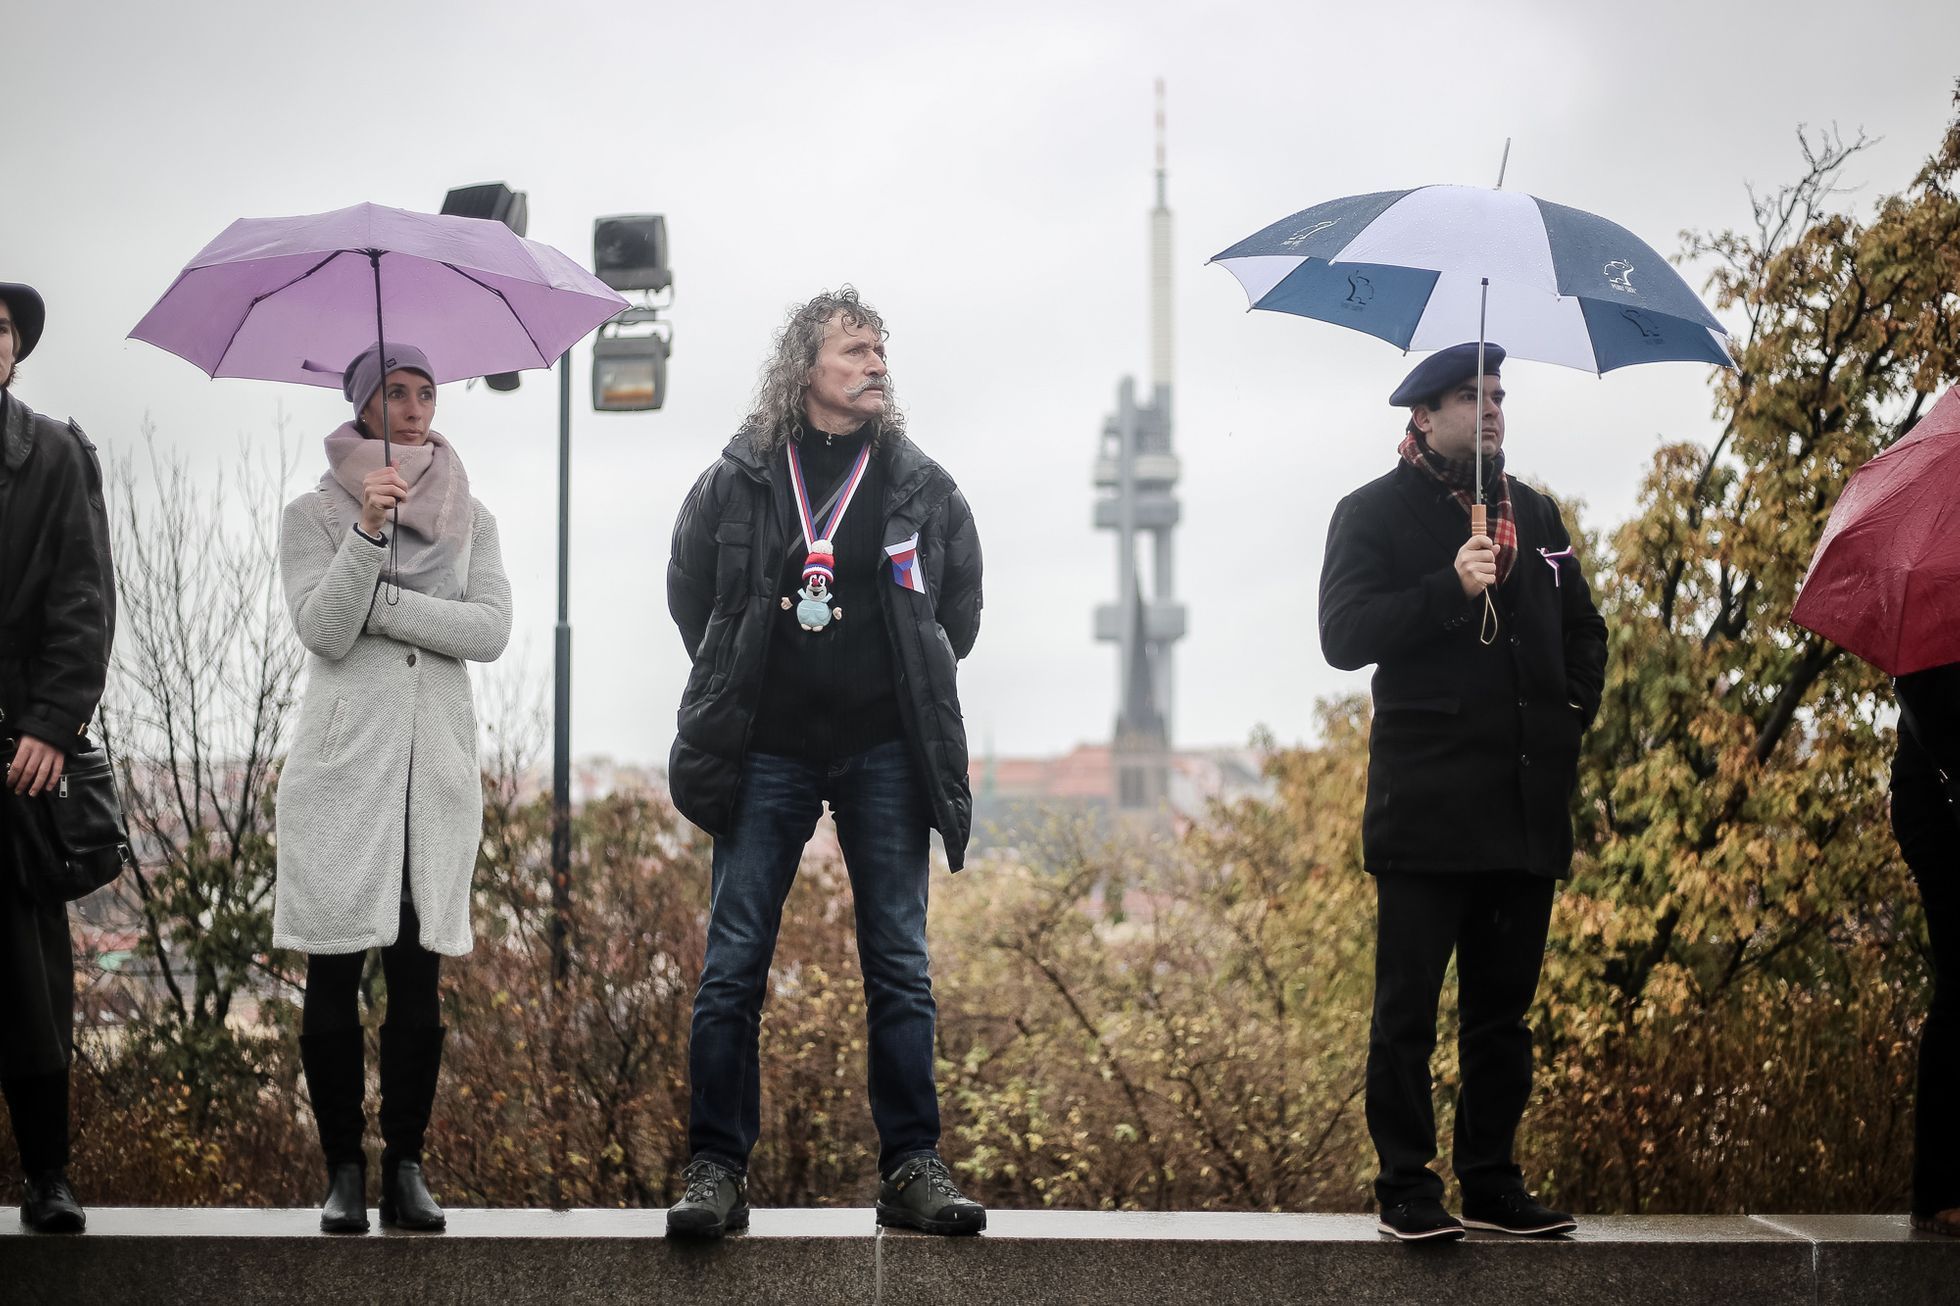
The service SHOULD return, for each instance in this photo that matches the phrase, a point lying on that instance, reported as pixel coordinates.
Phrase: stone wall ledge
(1081, 1258)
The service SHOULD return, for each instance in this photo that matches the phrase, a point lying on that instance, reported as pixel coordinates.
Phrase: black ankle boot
(411, 1062)
(336, 1081)
(405, 1200)
(48, 1204)
(345, 1208)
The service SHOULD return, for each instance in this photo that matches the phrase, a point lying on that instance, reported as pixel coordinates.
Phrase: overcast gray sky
(982, 175)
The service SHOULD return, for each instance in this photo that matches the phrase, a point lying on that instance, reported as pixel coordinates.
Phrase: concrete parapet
(1075, 1257)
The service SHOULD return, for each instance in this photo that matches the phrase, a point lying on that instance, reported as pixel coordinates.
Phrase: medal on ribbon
(816, 608)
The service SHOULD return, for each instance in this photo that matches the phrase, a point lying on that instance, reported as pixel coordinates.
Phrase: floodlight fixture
(493, 200)
(629, 252)
(629, 373)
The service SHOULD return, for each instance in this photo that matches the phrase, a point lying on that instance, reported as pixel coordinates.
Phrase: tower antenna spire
(1160, 143)
(1136, 478)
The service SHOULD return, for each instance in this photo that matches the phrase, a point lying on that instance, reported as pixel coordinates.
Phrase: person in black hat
(1489, 660)
(57, 618)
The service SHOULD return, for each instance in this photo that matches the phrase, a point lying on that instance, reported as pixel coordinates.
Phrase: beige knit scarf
(432, 536)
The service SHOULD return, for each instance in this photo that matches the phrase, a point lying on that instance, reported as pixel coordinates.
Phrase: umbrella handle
(1480, 525)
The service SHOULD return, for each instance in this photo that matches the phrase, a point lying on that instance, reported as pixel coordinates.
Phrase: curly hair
(777, 414)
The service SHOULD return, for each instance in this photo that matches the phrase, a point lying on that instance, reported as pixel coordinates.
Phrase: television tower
(1136, 476)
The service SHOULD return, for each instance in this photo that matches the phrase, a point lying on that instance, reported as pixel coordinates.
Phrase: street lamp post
(629, 374)
(561, 731)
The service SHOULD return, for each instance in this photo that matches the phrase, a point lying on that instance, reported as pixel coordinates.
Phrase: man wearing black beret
(1489, 659)
(57, 617)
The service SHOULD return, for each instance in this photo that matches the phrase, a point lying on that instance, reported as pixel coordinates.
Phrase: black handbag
(71, 840)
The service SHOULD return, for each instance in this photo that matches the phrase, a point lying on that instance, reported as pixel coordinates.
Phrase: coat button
(1524, 759)
(411, 657)
(1521, 704)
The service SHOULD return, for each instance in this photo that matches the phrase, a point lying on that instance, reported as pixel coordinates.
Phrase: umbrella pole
(381, 356)
(1476, 510)
(387, 451)
(1479, 517)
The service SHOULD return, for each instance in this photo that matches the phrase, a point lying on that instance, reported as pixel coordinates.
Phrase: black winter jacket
(1474, 750)
(729, 542)
(57, 585)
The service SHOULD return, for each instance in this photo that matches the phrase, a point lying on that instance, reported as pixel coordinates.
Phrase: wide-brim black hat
(30, 314)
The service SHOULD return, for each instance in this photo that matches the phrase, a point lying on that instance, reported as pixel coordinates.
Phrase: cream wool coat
(384, 763)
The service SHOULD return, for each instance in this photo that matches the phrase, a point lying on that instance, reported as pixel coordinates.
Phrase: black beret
(30, 314)
(1442, 371)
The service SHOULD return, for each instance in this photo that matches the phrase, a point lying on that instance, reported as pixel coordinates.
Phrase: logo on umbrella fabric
(1619, 275)
(1649, 329)
(1305, 234)
(1360, 291)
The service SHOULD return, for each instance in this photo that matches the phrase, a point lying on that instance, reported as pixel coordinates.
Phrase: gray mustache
(875, 383)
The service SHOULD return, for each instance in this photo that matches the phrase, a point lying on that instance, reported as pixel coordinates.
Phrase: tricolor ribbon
(811, 536)
(1552, 560)
(905, 564)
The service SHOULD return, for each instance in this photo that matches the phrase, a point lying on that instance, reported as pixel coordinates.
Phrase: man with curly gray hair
(826, 581)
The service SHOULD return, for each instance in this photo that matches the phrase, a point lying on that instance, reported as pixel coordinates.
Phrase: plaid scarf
(1459, 478)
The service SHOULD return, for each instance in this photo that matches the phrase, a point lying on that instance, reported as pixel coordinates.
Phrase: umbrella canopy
(1885, 582)
(271, 295)
(1409, 266)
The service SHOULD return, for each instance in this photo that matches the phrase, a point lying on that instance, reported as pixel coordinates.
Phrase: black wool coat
(57, 619)
(1474, 750)
(57, 585)
(729, 542)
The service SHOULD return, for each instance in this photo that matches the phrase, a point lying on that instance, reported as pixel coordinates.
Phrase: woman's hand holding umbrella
(381, 490)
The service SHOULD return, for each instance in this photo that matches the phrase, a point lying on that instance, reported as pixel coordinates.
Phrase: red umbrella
(1886, 579)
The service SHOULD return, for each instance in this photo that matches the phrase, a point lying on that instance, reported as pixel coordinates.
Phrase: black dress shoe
(1515, 1212)
(1420, 1219)
(345, 1210)
(920, 1194)
(715, 1202)
(48, 1204)
(405, 1200)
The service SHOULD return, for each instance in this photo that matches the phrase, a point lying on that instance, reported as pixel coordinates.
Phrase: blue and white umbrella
(1421, 268)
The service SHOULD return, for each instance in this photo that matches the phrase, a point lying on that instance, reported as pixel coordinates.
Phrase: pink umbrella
(295, 299)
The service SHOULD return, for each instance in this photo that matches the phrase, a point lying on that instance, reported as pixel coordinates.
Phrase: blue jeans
(879, 803)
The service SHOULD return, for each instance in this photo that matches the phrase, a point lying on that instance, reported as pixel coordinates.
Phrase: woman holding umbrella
(380, 806)
(1883, 585)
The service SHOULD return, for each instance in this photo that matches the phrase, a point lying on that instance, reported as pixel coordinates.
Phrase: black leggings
(333, 984)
